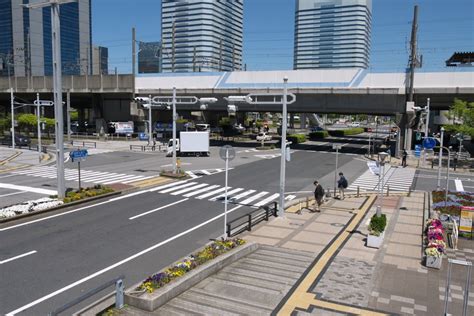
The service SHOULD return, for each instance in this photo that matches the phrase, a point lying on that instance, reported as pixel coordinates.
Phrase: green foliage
(462, 114)
(27, 121)
(182, 121)
(72, 196)
(5, 122)
(74, 115)
(296, 138)
(346, 132)
(318, 135)
(377, 224)
(225, 122)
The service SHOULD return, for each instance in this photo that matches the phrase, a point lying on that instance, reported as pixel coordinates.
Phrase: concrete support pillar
(292, 120)
(303, 120)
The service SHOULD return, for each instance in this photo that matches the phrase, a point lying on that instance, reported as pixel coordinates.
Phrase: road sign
(78, 155)
(429, 143)
(227, 152)
(417, 151)
(335, 146)
(43, 103)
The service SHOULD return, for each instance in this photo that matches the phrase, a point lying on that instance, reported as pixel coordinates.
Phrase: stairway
(253, 285)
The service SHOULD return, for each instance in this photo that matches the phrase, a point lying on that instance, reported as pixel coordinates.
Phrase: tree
(462, 114)
(26, 121)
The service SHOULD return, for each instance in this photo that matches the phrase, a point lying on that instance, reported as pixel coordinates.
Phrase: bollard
(388, 190)
(119, 294)
(307, 202)
(328, 194)
(358, 191)
(409, 191)
(432, 163)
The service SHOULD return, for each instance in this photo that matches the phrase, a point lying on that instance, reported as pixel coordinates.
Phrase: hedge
(297, 138)
(346, 132)
(318, 135)
(377, 224)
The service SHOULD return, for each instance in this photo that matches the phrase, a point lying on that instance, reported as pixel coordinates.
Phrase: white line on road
(117, 264)
(128, 195)
(18, 257)
(157, 209)
(10, 175)
(25, 188)
(459, 186)
(14, 193)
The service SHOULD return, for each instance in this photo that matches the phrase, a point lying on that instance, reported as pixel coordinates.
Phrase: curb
(4, 161)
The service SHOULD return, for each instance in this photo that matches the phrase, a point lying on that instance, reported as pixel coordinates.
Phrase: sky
(445, 26)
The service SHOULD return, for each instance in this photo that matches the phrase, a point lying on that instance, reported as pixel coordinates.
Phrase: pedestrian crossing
(205, 191)
(397, 179)
(195, 174)
(97, 177)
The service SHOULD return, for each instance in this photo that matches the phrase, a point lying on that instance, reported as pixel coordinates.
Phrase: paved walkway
(11, 159)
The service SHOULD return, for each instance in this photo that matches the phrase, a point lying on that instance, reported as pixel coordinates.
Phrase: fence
(247, 221)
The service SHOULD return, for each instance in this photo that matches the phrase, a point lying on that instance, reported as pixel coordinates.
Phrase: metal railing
(247, 221)
(119, 290)
(84, 143)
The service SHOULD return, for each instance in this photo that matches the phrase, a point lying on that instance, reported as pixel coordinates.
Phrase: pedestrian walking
(404, 158)
(318, 197)
(342, 185)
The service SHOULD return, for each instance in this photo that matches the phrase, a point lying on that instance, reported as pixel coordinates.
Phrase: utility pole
(68, 115)
(173, 46)
(150, 130)
(194, 59)
(413, 65)
(12, 103)
(427, 122)
(440, 158)
(281, 209)
(38, 115)
(133, 61)
(174, 130)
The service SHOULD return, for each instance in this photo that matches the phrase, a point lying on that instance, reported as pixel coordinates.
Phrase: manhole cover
(140, 170)
(337, 224)
(46, 185)
(403, 208)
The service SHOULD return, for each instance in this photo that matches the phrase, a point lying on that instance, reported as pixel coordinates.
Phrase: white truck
(190, 144)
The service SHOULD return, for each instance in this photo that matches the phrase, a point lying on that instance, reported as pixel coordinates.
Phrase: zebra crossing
(97, 177)
(195, 174)
(213, 193)
(397, 179)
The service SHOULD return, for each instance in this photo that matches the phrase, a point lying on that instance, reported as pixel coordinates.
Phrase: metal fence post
(388, 190)
(119, 294)
(250, 222)
(358, 191)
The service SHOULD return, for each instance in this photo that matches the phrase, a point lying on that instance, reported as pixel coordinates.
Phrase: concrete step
(166, 310)
(272, 265)
(249, 280)
(286, 253)
(282, 260)
(264, 275)
(265, 269)
(200, 308)
(242, 292)
(226, 303)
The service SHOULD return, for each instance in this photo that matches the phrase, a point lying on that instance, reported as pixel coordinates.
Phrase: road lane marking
(27, 189)
(211, 193)
(179, 187)
(459, 186)
(229, 193)
(7, 176)
(18, 257)
(250, 199)
(157, 209)
(167, 185)
(194, 187)
(14, 193)
(268, 199)
(244, 194)
(117, 264)
(128, 195)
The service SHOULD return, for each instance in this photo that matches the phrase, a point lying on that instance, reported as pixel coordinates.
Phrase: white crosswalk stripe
(202, 191)
(397, 179)
(97, 177)
(195, 174)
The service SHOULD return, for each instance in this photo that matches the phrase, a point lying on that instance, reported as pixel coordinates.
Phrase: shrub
(377, 224)
(296, 138)
(318, 135)
(346, 132)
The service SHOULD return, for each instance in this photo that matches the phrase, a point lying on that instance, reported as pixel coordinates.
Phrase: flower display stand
(151, 301)
(434, 262)
(375, 241)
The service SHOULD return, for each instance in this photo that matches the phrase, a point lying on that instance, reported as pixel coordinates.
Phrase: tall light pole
(12, 103)
(150, 132)
(382, 157)
(174, 130)
(440, 157)
(38, 115)
(57, 86)
(281, 209)
(427, 122)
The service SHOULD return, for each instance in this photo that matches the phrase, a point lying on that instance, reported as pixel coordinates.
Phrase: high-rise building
(100, 60)
(201, 35)
(26, 38)
(332, 33)
(149, 57)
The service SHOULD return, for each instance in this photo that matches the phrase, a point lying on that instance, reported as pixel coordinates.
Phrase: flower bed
(180, 268)
(86, 193)
(435, 243)
(454, 203)
(28, 207)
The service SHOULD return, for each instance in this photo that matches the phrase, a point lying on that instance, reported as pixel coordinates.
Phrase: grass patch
(346, 132)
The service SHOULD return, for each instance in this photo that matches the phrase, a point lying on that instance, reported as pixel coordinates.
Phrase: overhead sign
(78, 155)
(124, 127)
(43, 103)
(467, 216)
(429, 143)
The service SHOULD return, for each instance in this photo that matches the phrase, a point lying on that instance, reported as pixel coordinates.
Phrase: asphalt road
(77, 251)
(427, 180)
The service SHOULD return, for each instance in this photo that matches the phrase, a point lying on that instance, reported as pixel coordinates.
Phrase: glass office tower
(149, 57)
(25, 39)
(201, 35)
(332, 33)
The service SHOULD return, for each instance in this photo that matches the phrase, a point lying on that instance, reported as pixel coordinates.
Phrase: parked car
(316, 129)
(264, 137)
(20, 140)
(355, 124)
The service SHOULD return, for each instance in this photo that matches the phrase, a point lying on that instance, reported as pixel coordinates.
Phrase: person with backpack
(404, 158)
(342, 185)
(318, 197)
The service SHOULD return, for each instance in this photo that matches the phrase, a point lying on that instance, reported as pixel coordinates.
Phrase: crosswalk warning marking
(201, 190)
(253, 198)
(166, 186)
(184, 185)
(243, 194)
(229, 193)
(211, 193)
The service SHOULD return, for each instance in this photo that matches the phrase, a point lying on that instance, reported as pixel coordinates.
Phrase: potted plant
(436, 246)
(376, 230)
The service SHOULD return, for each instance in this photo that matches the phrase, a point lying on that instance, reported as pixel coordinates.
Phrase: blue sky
(445, 26)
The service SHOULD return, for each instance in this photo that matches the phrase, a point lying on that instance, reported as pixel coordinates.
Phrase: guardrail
(84, 143)
(148, 147)
(119, 289)
(245, 222)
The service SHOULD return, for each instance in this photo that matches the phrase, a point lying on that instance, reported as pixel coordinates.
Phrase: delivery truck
(190, 144)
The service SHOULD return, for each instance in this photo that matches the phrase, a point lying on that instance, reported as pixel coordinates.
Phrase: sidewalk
(11, 159)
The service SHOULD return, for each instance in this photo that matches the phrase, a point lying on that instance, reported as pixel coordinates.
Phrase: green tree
(49, 122)
(26, 122)
(74, 115)
(462, 114)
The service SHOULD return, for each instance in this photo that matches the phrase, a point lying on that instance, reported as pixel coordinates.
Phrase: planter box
(375, 241)
(434, 262)
(151, 301)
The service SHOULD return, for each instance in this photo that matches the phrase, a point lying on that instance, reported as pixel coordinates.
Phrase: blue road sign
(78, 155)
(417, 151)
(429, 143)
(143, 136)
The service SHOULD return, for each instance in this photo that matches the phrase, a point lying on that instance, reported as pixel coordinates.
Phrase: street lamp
(382, 156)
(440, 157)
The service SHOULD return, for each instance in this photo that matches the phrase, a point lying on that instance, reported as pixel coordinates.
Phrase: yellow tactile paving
(16, 154)
(150, 182)
(302, 299)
